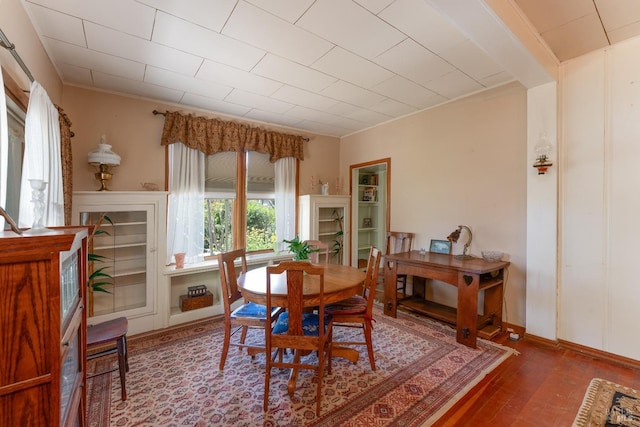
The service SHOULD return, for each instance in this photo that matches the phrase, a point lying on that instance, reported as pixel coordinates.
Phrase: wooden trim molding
(599, 354)
(14, 91)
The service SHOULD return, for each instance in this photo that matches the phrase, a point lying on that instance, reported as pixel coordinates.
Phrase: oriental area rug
(609, 404)
(174, 380)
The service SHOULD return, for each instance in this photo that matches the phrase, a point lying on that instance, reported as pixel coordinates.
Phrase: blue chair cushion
(250, 309)
(354, 305)
(310, 322)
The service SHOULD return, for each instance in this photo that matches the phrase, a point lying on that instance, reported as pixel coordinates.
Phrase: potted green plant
(300, 250)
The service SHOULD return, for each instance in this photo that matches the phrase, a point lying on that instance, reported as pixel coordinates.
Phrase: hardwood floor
(542, 386)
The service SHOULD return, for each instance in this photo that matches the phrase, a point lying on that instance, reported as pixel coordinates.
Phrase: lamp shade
(103, 155)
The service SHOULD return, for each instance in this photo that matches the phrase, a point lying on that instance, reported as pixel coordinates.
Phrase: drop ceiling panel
(65, 53)
(269, 117)
(58, 25)
(393, 108)
(351, 26)
(616, 14)
(265, 103)
(549, 14)
(422, 23)
(454, 85)
(114, 43)
(266, 31)
(119, 84)
(576, 37)
(472, 60)
(289, 10)
(211, 104)
(285, 71)
(374, 6)
(352, 94)
(229, 76)
(294, 95)
(323, 129)
(180, 34)
(351, 68)
(624, 33)
(408, 92)
(77, 75)
(413, 61)
(205, 13)
(169, 79)
(127, 16)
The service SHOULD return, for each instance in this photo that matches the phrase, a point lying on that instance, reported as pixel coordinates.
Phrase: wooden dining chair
(357, 311)
(296, 329)
(321, 248)
(397, 242)
(248, 315)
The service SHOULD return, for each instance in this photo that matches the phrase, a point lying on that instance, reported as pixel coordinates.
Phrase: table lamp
(103, 158)
(455, 235)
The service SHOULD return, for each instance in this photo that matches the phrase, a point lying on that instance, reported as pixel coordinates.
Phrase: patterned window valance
(213, 136)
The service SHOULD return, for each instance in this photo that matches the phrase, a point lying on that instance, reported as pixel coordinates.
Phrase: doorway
(369, 187)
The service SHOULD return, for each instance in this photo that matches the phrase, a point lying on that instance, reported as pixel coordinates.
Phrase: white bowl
(492, 255)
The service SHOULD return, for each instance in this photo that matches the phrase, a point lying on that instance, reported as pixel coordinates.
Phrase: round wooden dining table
(340, 282)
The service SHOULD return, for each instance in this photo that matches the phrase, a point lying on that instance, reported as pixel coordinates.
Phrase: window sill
(212, 264)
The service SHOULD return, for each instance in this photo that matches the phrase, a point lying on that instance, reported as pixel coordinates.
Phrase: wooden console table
(470, 277)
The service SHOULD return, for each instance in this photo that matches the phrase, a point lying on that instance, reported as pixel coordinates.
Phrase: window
(240, 202)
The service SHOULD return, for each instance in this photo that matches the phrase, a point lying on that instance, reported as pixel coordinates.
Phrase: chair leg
(126, 353)
(122, 363)
(225, 345)
(367, 338)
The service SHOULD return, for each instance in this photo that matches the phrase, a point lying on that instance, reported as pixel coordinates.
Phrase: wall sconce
(103, 159)
(543, 150)
(455, 235)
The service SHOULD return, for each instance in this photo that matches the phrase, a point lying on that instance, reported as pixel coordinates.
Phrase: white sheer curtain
(285, 186)
(4, 149)
(42, 159)
(185, 219)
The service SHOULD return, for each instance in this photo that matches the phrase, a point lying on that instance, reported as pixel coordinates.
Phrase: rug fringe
(587, 402)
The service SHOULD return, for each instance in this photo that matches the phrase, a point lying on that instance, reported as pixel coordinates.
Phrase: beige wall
(460, 163)
(15, 23)
(134, 132)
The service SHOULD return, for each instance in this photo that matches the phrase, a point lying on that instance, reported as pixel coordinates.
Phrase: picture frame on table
(369, 194)
(440, 247)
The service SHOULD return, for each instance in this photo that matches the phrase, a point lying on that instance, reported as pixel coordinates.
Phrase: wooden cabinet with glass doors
(42, 328)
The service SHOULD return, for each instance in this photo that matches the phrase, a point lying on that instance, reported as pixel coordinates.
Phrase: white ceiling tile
(137, 19)
(413, 61)
(323, 129)
(351, 68)
(229, 76)
(134, 87)
(374, 6)
(500, 78)
(266, 31)
(268, 117)
(408, 92)
(393, 108)
(454, 85)
(352, 94)
(577, 37)
(624, 33)
(249, 99)
(126, 46)
(216, 105)
(180, 34)
(169, 79)
(296, 96)
(362, 115)
(76, 75)
(65, 53)
(616, 14)
(423, 24)
(291, 73)
(563, 11)
(472, 60)
(57, 25)
(350, 26)
(206, 13)
(289, 10)
(304, 113)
